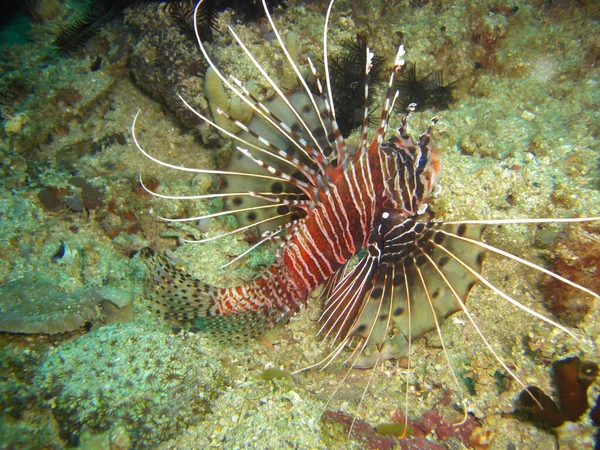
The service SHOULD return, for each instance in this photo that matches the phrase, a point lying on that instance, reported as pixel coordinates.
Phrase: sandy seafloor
(520, 141)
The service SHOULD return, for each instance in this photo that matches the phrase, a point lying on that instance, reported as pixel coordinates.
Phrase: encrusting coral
(129, 375)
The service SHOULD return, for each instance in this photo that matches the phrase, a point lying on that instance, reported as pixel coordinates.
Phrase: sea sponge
(572, 378)
(133, 376)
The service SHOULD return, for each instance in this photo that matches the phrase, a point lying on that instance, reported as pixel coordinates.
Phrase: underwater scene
(199, 249)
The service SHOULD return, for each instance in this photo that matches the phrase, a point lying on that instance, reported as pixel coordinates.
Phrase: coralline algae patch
(279, 412)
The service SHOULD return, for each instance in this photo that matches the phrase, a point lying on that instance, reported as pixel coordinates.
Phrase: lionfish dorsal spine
(365, 121)
(277, 89)
(253, 103)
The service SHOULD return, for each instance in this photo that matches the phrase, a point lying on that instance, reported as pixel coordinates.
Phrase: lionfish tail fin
(177, 295)
(234, 328)
(173, 293)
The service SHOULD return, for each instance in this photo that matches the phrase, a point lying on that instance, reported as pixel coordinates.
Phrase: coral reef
(58, 274)
(167, 64)
(525, 124)
(153, 384)
(102, 11)
(34, 304)
(209, 10)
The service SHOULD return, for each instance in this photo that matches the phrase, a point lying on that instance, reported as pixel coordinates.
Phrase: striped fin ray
(283, 177)
(344, 298)
(277, 154)
(384, 318)
(281, 95)
(424, 274)
(316, 108)
(310, 151)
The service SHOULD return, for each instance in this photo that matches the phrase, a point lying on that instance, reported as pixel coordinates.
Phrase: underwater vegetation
(413, 433)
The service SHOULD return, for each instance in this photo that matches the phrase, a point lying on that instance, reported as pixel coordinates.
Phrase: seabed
(83, 364)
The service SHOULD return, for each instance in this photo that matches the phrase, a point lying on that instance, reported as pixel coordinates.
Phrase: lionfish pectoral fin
(441, 271)
(435, 281)
(414, 294)
(280, 154)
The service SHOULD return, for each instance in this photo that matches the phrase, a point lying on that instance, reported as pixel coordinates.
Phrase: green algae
(274, 373)
(392, 429)
(130, 374)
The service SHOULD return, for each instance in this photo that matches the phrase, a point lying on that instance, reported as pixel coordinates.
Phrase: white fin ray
(269, 237)
(437, 325)
(469, 317)
(232, 232)
(508, 298)
(296, 71)
(523, 261)
(207, 196)
(239, 94)
(309, 173)
(195, 170)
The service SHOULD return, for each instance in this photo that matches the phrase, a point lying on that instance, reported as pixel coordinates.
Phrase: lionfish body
(356, 220)
(371, 201)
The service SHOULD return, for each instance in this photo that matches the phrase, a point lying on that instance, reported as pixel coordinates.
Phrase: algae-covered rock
(130, 375)
(33, 304)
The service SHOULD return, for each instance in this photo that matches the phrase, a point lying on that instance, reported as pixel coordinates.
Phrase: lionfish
(356, 221)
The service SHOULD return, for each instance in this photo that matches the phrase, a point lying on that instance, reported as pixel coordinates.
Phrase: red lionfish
(323, 205)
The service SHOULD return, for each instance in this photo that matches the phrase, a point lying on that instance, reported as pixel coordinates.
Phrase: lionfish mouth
(353, 221)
